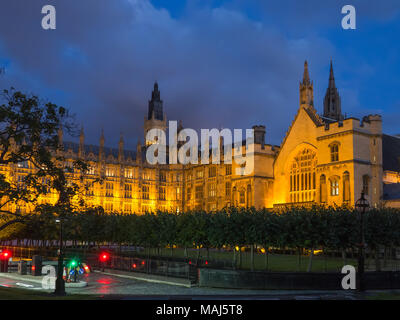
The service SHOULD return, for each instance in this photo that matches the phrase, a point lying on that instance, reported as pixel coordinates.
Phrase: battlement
(369, 124)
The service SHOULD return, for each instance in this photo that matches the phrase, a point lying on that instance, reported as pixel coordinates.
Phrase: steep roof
(95, 150)
(391, 191)
(391, 153)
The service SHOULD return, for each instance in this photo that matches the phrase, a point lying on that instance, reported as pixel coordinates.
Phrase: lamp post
(361, 206)
(60, 284)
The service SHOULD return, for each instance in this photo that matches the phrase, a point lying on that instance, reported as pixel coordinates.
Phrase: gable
(391, 153)
(301, 130)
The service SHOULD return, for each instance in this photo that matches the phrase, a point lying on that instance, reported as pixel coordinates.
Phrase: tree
(30, 138)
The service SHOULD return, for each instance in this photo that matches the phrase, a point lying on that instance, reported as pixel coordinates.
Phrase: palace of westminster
(325, 159)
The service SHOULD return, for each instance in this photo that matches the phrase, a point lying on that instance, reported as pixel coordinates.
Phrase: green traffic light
(73, 263)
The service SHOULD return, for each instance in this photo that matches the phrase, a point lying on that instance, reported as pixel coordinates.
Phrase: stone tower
(332, 101)
(155, 119)
(306, 89)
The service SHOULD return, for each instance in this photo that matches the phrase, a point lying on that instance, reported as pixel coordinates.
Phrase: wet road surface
(109, 286)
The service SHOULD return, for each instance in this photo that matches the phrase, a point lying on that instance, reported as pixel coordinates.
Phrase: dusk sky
(228, 64)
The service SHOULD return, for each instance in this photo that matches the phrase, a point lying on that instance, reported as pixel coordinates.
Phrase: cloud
(216, 66)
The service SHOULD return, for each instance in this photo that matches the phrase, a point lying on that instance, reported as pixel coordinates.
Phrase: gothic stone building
(325, 159)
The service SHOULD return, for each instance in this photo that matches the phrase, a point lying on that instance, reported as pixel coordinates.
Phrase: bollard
(4, 265)
(22, 267)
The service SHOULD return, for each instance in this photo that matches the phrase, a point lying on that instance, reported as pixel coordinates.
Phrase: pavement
(110, 286)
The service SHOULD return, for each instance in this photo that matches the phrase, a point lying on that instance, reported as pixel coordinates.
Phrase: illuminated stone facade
(325, 159)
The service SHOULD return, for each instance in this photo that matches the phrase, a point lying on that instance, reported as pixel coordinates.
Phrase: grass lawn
(276, 262)
(384, 296)
(25, 294)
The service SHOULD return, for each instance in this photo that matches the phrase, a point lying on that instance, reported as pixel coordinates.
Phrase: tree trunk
(185, 252)
(377, 260)
(344, 257)
(252, 257)
(299, 260)
(310, 261)
(198, 255)
(385, 257)
(266, 257)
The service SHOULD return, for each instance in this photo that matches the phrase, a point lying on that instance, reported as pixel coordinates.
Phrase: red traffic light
(4, 255)
(104, 256)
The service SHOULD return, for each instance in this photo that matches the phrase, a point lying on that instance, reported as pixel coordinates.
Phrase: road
(114, 287)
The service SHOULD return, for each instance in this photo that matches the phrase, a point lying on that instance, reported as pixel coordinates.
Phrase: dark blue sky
(218, 63)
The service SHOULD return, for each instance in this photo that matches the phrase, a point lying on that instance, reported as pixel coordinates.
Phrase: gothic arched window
(334, 151)
(334, 186)
(248, 196)
(242, 196)
(302, 176)
(346, 187)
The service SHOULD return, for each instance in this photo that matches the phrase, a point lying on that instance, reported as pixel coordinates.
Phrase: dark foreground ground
(111, 287)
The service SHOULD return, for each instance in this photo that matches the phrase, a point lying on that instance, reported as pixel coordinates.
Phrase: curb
(21, 278)
(169, 281)
(80, 284)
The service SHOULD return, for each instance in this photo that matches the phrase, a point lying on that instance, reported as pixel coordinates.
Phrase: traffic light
(5, 255)
(36, 269)
(104, 256)
(73, 264)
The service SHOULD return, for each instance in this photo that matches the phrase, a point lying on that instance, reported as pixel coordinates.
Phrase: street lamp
(60, 284)
(361, 206)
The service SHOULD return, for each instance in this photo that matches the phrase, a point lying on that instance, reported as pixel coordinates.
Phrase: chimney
(259, 135)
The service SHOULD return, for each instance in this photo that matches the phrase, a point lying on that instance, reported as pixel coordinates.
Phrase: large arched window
(302, 176)
(334, 182)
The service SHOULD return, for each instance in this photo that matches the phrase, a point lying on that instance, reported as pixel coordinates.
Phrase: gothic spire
(331, 78)
(306, 76)
(81, 142)
(306, 89)
(332, 101)
(121, 148)
(155, 105)
(101, 147)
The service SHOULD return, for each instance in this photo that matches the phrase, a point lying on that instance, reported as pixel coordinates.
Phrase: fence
(164, 267)
(166, 263)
